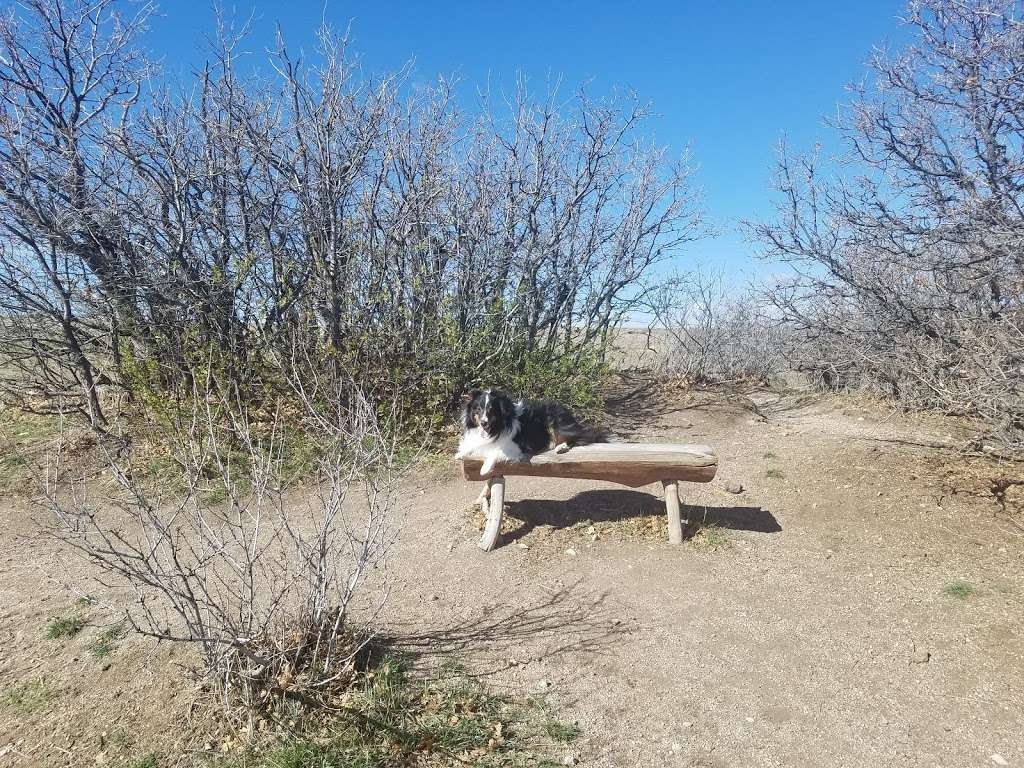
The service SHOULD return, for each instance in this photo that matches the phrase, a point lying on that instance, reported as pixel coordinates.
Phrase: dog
(497, 428)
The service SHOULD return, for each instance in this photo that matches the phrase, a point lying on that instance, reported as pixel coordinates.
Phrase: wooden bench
(632, 464)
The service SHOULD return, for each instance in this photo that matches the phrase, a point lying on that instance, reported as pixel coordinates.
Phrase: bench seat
(630, 464)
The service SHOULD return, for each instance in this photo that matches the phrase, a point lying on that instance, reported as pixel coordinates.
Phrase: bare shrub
(716, 333)
(907, 255)
(146, 228)
(236, 558)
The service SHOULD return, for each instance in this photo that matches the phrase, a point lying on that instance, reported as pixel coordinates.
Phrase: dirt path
(808, 627)
(804, 624)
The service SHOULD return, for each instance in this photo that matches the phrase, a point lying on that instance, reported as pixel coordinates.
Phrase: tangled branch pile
(910, 268)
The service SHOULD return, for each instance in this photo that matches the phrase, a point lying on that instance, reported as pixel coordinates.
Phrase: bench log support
(496, 493)
(675, 519)
(628, 464)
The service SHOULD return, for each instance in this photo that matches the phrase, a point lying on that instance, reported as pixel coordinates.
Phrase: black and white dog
(496, 428)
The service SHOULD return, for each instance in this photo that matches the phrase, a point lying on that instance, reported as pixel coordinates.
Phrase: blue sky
(727, 79)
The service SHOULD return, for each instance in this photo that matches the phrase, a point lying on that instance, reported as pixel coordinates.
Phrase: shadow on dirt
(638, 399)
(733, 518)
(569, 620)
(613, 505)
(635, 402)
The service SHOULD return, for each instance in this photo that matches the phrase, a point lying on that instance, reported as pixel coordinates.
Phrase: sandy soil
(805, 622)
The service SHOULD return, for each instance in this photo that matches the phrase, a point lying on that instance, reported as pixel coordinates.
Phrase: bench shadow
(617, 504)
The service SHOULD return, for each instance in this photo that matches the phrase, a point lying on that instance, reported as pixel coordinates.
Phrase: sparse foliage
(258, 579)
(908, 267)
(146, 230)
(394, 719)
(961, 590)
(64, 626)
(716, 333)
(29, 696)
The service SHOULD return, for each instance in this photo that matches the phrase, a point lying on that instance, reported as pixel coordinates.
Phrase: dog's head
(490, 409)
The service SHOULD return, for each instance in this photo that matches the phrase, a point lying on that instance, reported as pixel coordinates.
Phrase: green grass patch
(561, 732)
(774, 474)
(65, 626)
(106, 642)
(120, 739)
(147, 761)
(711, 537)
(393, 719)
(958, 589)
(29, 697)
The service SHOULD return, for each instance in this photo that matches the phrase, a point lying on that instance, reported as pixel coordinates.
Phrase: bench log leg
(675, 523)
(496, 488)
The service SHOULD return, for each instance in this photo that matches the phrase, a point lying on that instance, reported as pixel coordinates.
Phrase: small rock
(570, 552)
(591, 529)
(750, 719)
(544, 684)
(435, 597)
(616, 622)
(921, 656)
(105, 667)
(595, 537)
(687, 724)
(999, 759)
(734, 486)
(522, 546)
(570, 759)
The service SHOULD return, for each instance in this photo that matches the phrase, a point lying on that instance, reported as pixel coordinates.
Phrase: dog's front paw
(562, 448)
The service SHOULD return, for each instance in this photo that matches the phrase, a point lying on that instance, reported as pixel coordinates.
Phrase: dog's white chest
(473, 440)
(479, 445)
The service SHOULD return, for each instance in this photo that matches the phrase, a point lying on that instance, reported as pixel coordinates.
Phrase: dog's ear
(472, 395)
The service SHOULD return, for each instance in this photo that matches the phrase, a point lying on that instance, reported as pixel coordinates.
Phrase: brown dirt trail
(805, 623)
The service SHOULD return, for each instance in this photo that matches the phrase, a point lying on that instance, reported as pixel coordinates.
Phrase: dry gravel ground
(805, 623)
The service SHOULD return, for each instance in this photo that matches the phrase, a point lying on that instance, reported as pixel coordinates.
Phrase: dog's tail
(588, 436)
(568, 430)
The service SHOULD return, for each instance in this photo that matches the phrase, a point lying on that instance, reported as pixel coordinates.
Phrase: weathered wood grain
(631, 464)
